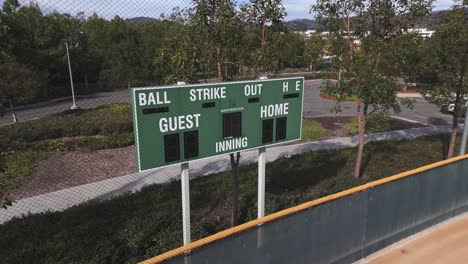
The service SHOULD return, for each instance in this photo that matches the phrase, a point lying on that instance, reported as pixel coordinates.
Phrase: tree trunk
(225, 72)
(362, 131)
(453, 136)
(235, 187)
(86, 82)
(220, 66)
(263, 44)
(263, 31)
(13, 113)
(339, 78)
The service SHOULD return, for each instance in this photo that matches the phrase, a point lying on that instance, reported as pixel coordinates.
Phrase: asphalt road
(423, 112)
(314, 105)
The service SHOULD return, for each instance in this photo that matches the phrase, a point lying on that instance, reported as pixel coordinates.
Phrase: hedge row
(106, 120)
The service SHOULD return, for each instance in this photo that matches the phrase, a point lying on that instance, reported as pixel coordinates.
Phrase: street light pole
(73, 107)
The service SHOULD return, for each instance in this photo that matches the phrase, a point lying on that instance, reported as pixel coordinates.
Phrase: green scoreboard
(178, 124)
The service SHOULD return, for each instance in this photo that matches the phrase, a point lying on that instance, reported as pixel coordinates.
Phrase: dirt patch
(63, 170)
(334, 125)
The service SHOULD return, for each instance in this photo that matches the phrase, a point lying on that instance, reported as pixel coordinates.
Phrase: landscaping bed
(137, 226)
(345, 126)
(72, 161)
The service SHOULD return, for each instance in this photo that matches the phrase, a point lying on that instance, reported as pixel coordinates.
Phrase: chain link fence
(68, 180)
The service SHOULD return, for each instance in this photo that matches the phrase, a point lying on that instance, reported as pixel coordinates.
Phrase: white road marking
(410, 120)
(423, 117)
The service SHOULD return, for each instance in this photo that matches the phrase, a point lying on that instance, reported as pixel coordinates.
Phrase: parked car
(450, 108)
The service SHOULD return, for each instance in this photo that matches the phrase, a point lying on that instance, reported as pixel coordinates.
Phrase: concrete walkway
(444, 243)
(106, 189)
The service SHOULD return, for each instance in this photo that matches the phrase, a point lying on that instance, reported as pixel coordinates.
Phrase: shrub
(13, 169)
(90, 143)
(105, 120)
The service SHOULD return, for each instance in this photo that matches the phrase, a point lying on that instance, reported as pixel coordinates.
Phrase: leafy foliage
(314, 50)
(449, 51)
(18, 84)
(213, 37)
(364, 68)
(137, 226)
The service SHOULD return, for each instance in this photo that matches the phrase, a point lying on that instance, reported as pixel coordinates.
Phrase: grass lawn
(327, 93)
(312, 130)
(136, 226)
(376, 123)
(13, 169)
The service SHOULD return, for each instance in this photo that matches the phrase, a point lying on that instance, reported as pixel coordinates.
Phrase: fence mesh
(68, 180)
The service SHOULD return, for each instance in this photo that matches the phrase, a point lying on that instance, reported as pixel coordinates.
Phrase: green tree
(450, 53)
(264, 20)
(407, 57)
(18, 84)
(217, 25)
(314, 50)
(292, 54)
(10, 6)
(375, 23)
(178, 58)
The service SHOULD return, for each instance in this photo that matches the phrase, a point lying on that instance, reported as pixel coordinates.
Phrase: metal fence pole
(465, 134)
(185, 183)
(261, 182)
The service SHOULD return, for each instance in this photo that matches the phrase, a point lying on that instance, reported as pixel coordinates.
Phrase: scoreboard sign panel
(178, 124)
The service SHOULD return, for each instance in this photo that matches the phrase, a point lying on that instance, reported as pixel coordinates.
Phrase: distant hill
(431, 21)
(301, 24)
(307, 24)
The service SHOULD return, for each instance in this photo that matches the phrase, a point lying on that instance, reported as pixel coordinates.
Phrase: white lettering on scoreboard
(176, 123)
(286, 86)
(153, 98)
(253, 89)
(190, 121)
(231, 144)
(274, 110)
(203, 94)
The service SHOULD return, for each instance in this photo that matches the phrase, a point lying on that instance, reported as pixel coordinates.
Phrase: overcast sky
(154, 8)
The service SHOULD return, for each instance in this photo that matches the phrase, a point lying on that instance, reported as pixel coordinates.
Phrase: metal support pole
(259, 236)
(261, 182)
(185, 183)
(73, 107)
(261, 178)
(465, 133)
(465, 127)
